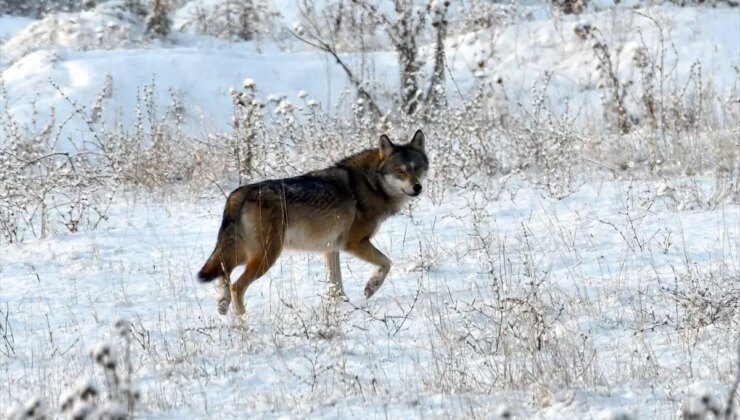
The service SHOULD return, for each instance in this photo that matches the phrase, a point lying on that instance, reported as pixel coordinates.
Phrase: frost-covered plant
(517, 331)
(702, 299)
(85, 400)
(614, 103)
(545, 144)
(117, 400)
(681, 117)
(159, 22)
(151, 153)
(570, 7)
(481, 14)
(40, 8)
(247, 124)
(41, 185)
(157, 142)
(244, 20)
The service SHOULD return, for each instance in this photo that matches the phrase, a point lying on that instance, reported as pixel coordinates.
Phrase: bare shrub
(703, 299)
(232, 19)
(570, 7)
(248, 129)
(614, 103)
(159, 22)
(546, 143)
(39, 182)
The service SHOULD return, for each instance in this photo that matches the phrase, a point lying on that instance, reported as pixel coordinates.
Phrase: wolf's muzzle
(417, 190)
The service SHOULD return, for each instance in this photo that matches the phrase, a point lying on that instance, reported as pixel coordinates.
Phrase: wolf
(332, 210)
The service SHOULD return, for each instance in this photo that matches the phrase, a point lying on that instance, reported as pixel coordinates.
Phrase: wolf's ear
(386, 146)
(418, 141)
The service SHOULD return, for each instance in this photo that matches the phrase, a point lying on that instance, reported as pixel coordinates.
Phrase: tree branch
(323, 46)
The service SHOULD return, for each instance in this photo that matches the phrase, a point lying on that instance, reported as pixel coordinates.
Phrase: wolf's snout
(417, 189)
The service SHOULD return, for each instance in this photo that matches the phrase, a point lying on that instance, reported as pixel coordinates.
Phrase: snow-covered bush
(41, 185)
(158, 22)
(41, 8)
(117, 400)
(570, 7)
(228, 19)
(702, 299)
(109, 25)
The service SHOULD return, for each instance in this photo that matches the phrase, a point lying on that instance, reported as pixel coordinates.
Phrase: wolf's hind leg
(256, 268)
(262, 254)
(365, 251)
(231, 255)
(335, 274)
(224, 295)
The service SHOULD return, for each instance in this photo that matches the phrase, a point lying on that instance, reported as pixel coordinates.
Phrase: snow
(295, 354)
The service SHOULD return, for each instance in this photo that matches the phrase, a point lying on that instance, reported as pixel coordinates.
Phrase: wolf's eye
(399, 170)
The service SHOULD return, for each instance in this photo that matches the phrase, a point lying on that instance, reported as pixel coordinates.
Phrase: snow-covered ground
(606, 269)
(621, 295)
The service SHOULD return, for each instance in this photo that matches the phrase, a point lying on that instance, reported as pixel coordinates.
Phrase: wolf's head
(402, 167)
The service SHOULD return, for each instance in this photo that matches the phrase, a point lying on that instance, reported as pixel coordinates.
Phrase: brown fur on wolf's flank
(330, 210)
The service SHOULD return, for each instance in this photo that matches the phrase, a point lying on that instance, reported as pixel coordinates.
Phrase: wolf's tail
(220, 262)
(211, 269)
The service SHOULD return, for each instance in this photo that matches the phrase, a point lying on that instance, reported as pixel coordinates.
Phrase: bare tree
(311, 34)
(405, 28)
(159, 22)
(435, 92)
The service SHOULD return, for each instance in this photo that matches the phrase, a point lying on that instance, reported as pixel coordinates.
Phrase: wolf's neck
(366, 160)
(366, 179)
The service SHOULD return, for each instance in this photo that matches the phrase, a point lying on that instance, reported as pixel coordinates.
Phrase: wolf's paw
(370, 289)
(223, 306)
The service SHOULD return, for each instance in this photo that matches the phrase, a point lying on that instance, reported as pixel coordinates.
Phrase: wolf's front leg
(335, 274)
(365, 251)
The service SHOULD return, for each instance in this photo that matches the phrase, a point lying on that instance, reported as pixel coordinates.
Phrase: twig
(411, 309)
(733, 390)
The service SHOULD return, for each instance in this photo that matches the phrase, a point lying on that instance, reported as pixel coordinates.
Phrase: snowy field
(554, 267)
(557, 309)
